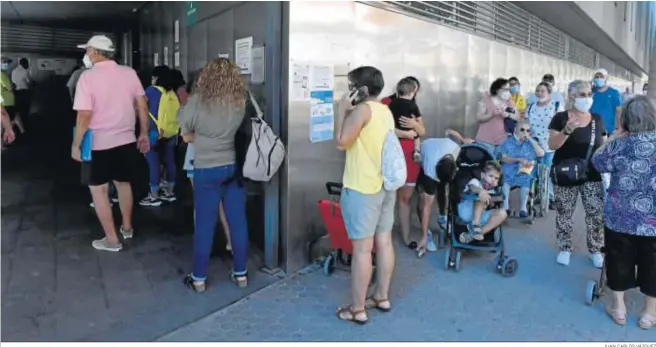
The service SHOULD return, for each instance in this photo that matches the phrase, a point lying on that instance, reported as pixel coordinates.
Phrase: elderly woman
(630, 213)
(540, 113)
(518, 155)
(574, 135)
(493, 110)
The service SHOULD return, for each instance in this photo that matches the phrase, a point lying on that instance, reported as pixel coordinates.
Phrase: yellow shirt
(362, 171)
(519, 101)
(5, 88)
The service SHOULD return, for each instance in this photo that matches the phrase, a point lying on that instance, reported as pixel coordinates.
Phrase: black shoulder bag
(574, 171)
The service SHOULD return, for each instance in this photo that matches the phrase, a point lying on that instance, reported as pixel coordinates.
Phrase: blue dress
(515, 149)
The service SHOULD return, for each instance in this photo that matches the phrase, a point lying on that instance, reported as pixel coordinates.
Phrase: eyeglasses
(524, 130)
(584, 95)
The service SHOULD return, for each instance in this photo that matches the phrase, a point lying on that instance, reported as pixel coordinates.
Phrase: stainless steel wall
(455, 68)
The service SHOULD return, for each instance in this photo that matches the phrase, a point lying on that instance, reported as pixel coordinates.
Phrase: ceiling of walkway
(92, 15)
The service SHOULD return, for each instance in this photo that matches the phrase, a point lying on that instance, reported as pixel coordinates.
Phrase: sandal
(372, 302)
(348, 309)
(617, 316)
(241, 281)
(647, 321)
(196, 286)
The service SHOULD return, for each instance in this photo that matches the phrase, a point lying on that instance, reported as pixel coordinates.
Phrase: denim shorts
(367, 214)
(466, 212)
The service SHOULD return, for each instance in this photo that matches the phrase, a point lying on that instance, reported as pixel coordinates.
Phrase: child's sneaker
(167, 196)
(443, 220)
(465, 237)
(430, 244)
(476, 233)
(150, 201)
(416, 156)
(127, 234)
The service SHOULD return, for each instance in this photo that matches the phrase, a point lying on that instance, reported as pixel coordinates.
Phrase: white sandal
(647, 321)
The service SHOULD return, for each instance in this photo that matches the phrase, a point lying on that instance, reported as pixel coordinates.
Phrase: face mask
(543, 99)
(5, 66)
(583, 104)
(87, 62)
(514, 89)
(505, 95)
(599, 82)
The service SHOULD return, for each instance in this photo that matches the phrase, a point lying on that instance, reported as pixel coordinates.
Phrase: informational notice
(300, 82)
(224, 55)
(257, 65)
(243, 54)
(176, 31)
(176, 59)
(166, 56)
(322, 116)
(156, 59)
(322, 77)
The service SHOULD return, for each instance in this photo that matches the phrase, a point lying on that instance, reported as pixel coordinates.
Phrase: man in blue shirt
(607, 101)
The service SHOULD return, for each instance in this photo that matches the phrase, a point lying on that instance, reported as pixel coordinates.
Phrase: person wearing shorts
(105, 103)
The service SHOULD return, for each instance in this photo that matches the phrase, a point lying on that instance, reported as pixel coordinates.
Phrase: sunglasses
(524, 130)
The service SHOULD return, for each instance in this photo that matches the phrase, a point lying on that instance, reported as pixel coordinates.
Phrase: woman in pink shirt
(492, 111)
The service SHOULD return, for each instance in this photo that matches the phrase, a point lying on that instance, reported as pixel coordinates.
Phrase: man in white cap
(105, 100)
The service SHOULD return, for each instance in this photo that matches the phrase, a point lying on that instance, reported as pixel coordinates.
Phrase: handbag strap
(258, 111)
(593, 134)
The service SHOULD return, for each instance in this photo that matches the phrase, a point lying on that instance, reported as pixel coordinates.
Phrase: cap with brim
(100, 42)
(602, 71)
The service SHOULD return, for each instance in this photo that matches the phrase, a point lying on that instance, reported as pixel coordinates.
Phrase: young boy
(404, 106)
(481, 220)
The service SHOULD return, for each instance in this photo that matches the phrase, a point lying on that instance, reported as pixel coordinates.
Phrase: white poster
(300, 82)
(243, 54)
(176, 31)
(224, 55)
(176, 59)
(322, 77)
(166, 56)
(257, 65)
(156, 59)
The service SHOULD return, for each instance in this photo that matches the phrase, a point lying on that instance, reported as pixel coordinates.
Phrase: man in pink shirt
(105, 100)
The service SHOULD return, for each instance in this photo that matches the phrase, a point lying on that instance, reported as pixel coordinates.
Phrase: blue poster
(322, 116)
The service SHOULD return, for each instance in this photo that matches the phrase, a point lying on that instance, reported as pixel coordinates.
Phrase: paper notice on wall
(44, 64)
(257, 65)
(176, 59)
(156, 59)
(224, 55)
(166, 56)
(322, 77)
(243, 54)
(322, 116)
(300, 82)
(176, 31)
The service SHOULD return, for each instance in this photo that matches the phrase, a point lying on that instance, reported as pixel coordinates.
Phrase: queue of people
(578, 138)
(119, 123)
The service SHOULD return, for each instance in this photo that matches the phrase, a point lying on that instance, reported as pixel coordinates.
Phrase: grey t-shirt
(214, 127)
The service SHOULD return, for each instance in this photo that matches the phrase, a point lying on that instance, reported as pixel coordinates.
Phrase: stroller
(331, 214)
(595, 289)
(470, 162)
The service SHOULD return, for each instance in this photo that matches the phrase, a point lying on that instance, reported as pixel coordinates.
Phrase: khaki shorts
(367, 214)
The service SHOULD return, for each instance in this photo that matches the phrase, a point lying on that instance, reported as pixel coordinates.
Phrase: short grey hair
(106, 54)
(639, 115)
(406, 86)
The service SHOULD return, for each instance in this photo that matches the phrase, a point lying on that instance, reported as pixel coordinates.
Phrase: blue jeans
(546, 161)
(209, 190)
(152, 157)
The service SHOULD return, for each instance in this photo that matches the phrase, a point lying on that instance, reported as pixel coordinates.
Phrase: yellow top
(363, 172)
(7, 93)
(519, 101)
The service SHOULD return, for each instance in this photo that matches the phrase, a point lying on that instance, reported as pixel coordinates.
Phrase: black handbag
(574, 171)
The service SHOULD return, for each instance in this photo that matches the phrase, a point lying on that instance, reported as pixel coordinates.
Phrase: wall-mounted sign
(166, 56)
(176, 59)
(156, 59)
(224, 55)
(243, 54)
(192, 13)
(257, 65)
(176, 31)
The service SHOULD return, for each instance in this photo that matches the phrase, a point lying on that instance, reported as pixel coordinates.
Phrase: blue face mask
(514, 89)
(599, 82)
(5, 66)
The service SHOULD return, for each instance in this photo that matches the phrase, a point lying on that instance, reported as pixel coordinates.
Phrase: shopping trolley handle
(334, 188)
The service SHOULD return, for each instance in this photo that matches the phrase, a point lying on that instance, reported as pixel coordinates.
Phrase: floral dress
(540, 118)
(515, 149)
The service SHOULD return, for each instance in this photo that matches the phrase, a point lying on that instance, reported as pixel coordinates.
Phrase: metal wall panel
(454, 67)
(221, 30)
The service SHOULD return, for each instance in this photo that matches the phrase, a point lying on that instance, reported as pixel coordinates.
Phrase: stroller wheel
(509, 267)
(591, 292)
(447, 260)
(441, 238)
(329, 264)
(456, 265)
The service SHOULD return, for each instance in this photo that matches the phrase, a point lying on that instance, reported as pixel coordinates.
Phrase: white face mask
(583, 104)
(87, 62)
(543, 99)
(505, 95)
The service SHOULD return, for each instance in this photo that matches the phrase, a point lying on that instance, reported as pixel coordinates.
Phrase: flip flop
(372, 302)
(647, 321)
(617, 316)
(348, 309)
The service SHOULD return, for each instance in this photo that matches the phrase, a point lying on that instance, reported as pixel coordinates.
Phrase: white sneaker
(92, 205)
(563, 258)
(597, 260)
(430, 245)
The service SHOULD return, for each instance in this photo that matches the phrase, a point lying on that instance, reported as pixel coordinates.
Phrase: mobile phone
(361, 94)
(510, 110)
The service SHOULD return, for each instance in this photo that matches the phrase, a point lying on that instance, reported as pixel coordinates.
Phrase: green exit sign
(192, 12)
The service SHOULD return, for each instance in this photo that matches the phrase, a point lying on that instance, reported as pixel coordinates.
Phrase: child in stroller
(477, 212)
